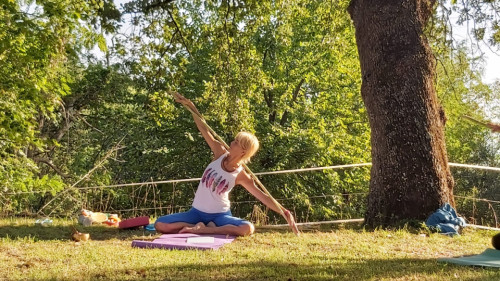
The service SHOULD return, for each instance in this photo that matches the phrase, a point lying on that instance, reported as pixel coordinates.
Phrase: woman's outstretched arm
(248, 183)
(216, 147)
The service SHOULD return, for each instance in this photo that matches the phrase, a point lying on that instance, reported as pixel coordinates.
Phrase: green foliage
(286, 70)
(485, 17)
(32, 51)
(37, 40)
(462, 92)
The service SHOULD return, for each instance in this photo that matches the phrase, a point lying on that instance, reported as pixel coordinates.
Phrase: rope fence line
(313, 223)
(360, 220)
(152, 208)
(474, 167)
(314, 197)
(198, 179)
(257, 174)
(477, 199)
(291, 198)
(301, 197)
(249, 201)
(263, 174)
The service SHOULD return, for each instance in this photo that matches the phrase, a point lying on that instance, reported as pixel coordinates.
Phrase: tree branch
(284, 117)
(88, 124)
(180, 33)
(157, 4)
(98, 165)
(50, 164)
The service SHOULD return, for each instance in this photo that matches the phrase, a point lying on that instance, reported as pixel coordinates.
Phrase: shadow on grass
(300, 268)
(102, 232)
(63, 232)
(400, 269)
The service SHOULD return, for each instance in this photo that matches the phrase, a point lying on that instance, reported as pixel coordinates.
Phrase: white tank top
(212, 195)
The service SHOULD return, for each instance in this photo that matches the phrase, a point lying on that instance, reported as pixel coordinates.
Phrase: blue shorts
(194, 216)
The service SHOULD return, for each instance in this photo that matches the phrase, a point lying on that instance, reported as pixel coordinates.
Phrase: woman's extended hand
(181, 99)
(494, 127)
(186, 102)
(291, 222)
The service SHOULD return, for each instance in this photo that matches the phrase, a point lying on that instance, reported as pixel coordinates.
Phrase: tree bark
(410, 177)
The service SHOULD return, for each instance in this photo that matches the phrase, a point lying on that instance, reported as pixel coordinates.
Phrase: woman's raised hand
(494, 127)
(181, 99)
(187, 102)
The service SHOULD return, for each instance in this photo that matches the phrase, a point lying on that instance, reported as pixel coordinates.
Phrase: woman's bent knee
(247, 229)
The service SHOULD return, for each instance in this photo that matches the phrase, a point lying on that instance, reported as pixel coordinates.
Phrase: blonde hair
(249, 143)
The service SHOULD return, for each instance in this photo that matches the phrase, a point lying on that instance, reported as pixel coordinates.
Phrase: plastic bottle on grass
(44, 222)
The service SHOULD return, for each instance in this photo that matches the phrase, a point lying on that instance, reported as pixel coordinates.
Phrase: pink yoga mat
(181, 241)
(134, 222)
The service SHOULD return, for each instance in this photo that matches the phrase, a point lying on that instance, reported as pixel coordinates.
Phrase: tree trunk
(410, 177)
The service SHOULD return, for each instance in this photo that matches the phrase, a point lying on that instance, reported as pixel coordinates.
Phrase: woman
(210, 211)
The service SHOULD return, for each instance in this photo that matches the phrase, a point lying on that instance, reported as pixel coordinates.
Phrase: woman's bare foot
(197, 228)
(211, 224)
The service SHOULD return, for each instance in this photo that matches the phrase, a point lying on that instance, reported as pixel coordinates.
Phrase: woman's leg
(173, 227)
(175, 222)
(224, 223)
(238, 230)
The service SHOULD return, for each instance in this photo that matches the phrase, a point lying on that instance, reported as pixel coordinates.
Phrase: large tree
(410, 177)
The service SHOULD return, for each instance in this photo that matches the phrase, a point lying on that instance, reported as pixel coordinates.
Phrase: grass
(29, 252)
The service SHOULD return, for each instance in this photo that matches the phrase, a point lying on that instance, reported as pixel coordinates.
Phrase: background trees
(290, 67)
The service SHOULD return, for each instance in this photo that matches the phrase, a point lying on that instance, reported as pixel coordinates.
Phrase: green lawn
(29, 252)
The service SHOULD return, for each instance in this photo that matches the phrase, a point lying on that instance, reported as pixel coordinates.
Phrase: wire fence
(156, 198)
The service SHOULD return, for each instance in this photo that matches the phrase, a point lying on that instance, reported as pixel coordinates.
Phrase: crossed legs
(193, 221)
(210, 228)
